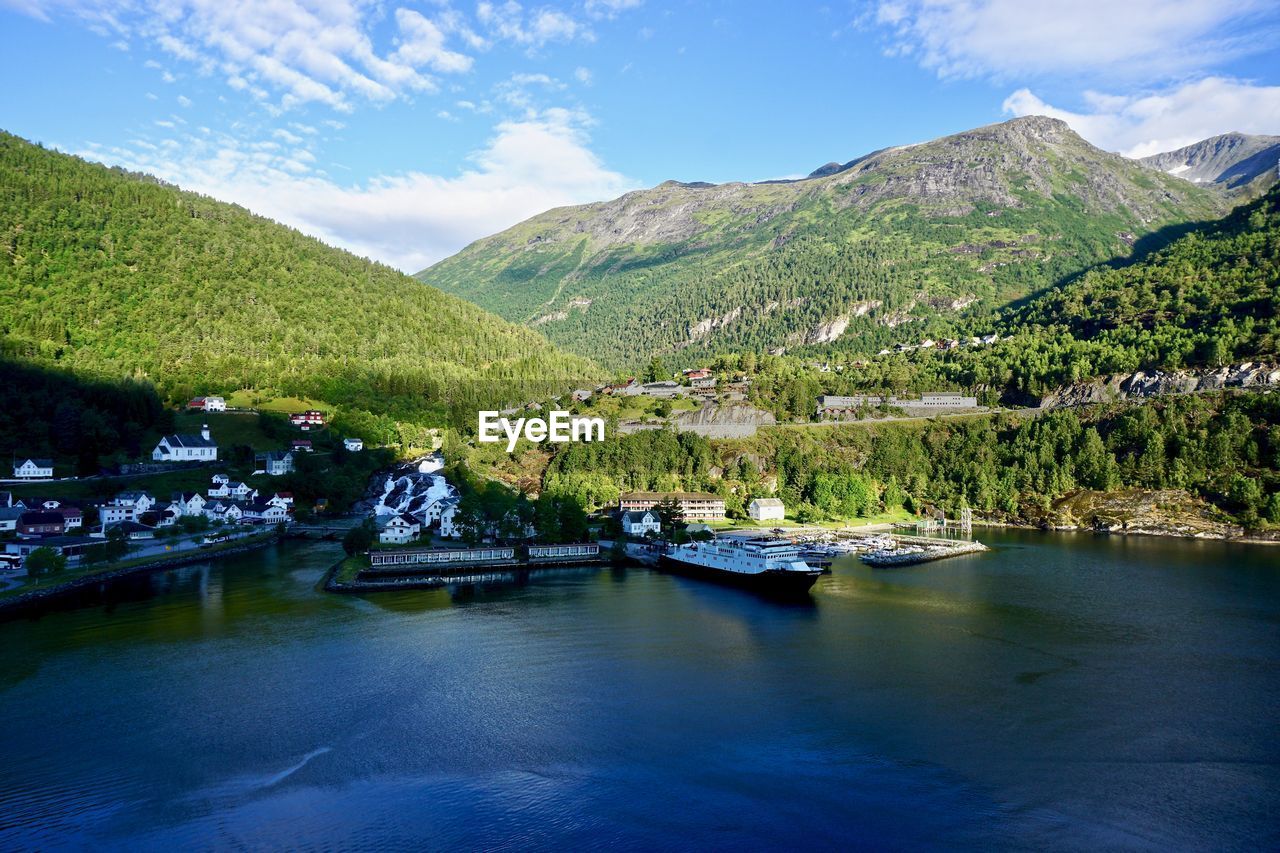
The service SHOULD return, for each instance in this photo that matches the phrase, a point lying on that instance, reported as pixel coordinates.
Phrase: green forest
(108, 273)
(1208, 299)
(1222, 448)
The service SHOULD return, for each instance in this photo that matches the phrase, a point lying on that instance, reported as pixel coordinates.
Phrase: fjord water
(1061, 692)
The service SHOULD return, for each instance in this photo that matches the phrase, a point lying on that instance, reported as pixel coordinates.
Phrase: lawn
(228, 429)
(247, 399)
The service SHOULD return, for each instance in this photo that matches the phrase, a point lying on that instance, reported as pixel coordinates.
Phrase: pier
(421, 568)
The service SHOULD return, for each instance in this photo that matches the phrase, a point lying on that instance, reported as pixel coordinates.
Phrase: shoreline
(1246, 538)
(40, 596)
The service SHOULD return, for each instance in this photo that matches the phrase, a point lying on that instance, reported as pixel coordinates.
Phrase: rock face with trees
(845, 257)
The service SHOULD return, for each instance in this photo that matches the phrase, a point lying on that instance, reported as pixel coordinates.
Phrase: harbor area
(878, 549)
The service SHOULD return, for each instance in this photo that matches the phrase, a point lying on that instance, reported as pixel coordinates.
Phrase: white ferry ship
(765, 563)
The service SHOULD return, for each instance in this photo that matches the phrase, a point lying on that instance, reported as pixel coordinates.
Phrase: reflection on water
(1059, 692)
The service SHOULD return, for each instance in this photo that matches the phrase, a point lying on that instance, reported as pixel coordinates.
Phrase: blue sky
(405, 130)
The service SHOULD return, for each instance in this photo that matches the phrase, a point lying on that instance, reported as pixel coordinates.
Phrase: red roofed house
(208, 404)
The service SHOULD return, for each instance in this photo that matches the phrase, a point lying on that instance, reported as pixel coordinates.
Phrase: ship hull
(775, 582)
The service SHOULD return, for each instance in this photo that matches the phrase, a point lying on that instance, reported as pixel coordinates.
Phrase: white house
(220, 479)
(9, 516)
(241, 491)
(353, 444)
(399, 529)
(448, 517)
(284, 500)
(189, 503)
(111, 513)
(138, 502)
(219, 490)
(33, 469)
(265, 513)
(639, 523)
(187, 448)
(766, 509)
(227, 513)
(208, 404)
(278, 462)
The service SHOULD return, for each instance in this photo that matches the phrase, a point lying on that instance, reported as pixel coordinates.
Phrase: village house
(208, 404)
(580, 394)
(399, 529)
(134, 503)
(224, 512)
(241, 492)
(187, 448)
(353, 444)
(766, 509)
(219, 490)
(41, 522)
(33, 469)
(277, 462)
(188, 503)
(692, 505)
(666, 388)
(640, 522)
(220, 479)
(448, 519)
(264, 513)
(284, 500)
(308, 419)
(132, 530)
(702, 381)
(112, 513)
(72, 517)
(9, 516)
(301, 445)
(630, 387)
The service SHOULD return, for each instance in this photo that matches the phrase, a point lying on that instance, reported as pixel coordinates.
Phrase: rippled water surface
(1060, 692)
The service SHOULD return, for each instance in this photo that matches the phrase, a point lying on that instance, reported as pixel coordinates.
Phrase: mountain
(970, 221)
(1200, 305)
(114, 274)
(1234, 161)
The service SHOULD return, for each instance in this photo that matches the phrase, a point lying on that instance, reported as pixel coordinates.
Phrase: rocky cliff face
(1143, 385)
(1159, 512)
(1231, 160)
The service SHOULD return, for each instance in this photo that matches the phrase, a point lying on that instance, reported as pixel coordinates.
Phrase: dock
(426, 568)
(881, 549)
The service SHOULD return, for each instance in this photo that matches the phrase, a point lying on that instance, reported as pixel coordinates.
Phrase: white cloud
(1132, 40)
(293, 50)
(509, 21)
(1139, 125)
(583, 75)
(409, 220)
(184, 101)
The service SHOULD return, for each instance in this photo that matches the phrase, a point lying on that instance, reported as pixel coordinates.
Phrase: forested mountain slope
(1210, 298)
(115, 274)
(971, 221)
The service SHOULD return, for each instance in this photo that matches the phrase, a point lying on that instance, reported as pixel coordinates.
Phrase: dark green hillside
(115, 274)
(1209, 299)
(959, 226)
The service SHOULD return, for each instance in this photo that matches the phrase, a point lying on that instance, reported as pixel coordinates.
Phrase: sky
(403, 131)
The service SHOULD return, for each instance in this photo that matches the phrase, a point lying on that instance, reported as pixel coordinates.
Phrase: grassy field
(228, 429)
(246, 399)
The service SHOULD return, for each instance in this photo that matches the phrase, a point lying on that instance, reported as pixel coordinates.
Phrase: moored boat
(763, 563)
